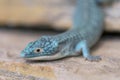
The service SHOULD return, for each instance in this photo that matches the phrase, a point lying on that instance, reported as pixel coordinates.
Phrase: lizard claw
(93, 58)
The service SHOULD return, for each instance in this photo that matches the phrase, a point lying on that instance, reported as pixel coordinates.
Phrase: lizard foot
(93, 58)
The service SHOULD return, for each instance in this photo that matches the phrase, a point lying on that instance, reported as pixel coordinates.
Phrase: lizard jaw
(52, 57)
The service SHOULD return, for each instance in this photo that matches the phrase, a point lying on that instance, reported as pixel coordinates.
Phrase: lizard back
(87, 23)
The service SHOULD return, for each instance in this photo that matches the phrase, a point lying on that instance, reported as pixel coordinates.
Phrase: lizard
(88, 20)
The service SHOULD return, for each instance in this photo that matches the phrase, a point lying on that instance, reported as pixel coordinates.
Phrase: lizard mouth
(45, 58)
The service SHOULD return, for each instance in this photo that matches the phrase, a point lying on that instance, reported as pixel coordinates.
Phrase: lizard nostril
(22, 54)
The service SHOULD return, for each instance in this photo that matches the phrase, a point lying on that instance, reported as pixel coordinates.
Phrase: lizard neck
(66, 36)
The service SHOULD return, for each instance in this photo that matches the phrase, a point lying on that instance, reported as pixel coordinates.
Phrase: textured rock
(30, 72)
(56, 13)
(12, 67)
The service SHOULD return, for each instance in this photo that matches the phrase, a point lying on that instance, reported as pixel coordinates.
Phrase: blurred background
(55, 14)
(23, 21)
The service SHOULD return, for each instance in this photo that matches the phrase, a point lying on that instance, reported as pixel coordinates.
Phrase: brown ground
(12, 67)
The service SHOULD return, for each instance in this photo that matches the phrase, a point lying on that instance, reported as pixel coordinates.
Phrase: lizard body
(87, 28)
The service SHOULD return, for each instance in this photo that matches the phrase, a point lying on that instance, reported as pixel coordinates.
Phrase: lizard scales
(87, 23)
(87, 28)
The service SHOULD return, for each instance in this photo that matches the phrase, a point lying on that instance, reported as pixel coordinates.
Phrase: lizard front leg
(82, 45)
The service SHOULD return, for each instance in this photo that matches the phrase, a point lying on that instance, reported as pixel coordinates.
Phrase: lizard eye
(38, 50)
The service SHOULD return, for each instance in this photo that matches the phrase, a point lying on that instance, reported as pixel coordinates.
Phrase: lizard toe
(93, 58)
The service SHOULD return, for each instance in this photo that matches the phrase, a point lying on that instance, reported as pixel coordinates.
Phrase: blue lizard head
(45, 46)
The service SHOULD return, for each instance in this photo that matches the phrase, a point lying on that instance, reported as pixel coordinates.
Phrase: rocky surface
(12, 67)
(56, 13)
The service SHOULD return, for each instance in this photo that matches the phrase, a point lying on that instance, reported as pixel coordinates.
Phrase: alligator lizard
(87, 28)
